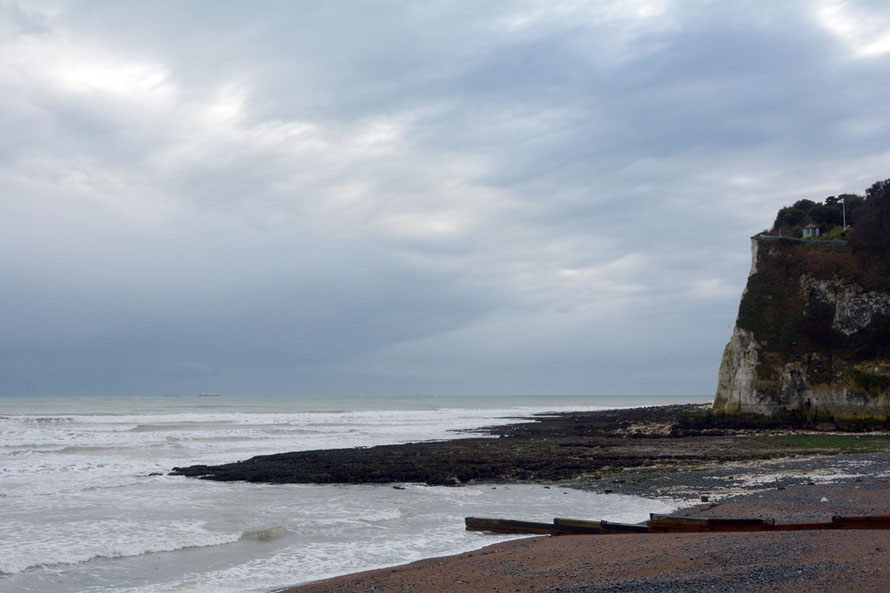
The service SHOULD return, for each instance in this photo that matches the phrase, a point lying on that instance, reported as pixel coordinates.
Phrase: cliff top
(869, 215)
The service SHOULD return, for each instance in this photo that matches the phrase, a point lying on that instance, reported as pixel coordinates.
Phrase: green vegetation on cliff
(785, 321)
(869, 215)
(873, 222)
(825, 215)
(789, 322)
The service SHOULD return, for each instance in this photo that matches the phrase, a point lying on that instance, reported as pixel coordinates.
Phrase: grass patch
(832, 443)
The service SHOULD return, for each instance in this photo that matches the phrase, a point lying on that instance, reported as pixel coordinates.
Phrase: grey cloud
(402, 198)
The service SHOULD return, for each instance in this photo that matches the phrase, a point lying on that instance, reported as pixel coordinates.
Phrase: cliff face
(812, 335)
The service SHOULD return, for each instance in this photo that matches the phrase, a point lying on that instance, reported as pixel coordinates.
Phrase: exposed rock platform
(583, 446)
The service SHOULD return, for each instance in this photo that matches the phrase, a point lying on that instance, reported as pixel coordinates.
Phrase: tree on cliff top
(789, 217)
(872, 221)
(827, 215)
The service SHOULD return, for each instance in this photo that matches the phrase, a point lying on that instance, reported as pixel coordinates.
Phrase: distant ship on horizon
(208, 395)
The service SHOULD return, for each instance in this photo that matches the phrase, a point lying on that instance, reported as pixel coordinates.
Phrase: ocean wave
(179, 440)
(263, 535)
(28, 449)
(384, 515)
(53, 548)
(90, 449)
(367, 518)
(42, 419)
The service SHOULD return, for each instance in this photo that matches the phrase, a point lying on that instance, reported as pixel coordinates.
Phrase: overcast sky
(410, 197)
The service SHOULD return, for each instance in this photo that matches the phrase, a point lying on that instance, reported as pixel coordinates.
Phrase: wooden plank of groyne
(607, 527)
(725, 525)
(667, 523)
(670, 524)
(657, 527)
(508, 526)
(511, 526)
(863, 522)
(675, 519)
(580, 524)
(802, 526)
(767, 521)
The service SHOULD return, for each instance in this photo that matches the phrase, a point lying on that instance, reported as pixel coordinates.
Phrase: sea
(87, 503)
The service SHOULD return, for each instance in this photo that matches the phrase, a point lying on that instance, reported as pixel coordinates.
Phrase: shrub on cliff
(789, 217)
(872, 221)
(827, 216)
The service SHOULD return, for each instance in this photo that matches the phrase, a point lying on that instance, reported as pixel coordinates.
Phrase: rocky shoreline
(786, 474)
(634, 451)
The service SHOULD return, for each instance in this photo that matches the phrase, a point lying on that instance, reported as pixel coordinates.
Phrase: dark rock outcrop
(553, 447)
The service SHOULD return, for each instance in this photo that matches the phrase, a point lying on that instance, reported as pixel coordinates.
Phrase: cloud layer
(437, 197)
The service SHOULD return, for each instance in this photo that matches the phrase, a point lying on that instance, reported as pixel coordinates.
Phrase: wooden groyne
(668, 524)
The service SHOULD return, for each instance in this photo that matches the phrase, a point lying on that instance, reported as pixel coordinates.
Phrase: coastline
(750, 480)
(74, 473)
(829, 561)
(283, 535)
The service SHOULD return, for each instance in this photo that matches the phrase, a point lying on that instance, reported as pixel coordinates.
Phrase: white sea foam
(313, 430)
(73, 542)
(92, 450)
(426, 525)
(87, 503)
